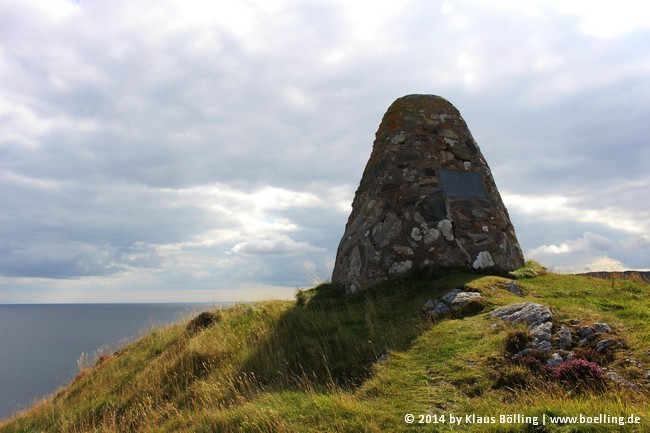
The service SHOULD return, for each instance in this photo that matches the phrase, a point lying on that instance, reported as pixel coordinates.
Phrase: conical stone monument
(426, 199)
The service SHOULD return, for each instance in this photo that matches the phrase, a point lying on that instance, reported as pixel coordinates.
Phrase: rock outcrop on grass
(538, 317)
(571, 343)
(540, 321)
(458, 302)
(530, 313)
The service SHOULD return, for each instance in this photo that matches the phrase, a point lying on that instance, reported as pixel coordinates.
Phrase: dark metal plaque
(462, 184)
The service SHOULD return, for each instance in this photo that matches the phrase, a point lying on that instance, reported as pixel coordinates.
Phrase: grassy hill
(331, 362)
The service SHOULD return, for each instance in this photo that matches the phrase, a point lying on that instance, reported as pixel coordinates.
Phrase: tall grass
(332, 362)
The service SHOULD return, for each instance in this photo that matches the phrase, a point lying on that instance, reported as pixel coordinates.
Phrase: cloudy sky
(209, 151)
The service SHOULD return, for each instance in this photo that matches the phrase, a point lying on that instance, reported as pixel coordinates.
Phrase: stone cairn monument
(426, 199)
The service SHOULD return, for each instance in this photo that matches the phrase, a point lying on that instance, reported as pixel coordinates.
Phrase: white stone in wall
(416, 234)
(355, 262)
(398, 138)
(400, 268)
(483, 260)
(446, 227)
(430, 235)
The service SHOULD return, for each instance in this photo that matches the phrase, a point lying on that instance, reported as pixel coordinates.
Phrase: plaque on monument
(462, 184)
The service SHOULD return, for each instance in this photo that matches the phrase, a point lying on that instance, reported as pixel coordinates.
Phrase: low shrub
(102, 359)
(204, 320)
(589, 354)
(301, 298)
(531, 363)
(516, 341)
(513, 377)
(535, 361)
(471, 308)
(580, 373)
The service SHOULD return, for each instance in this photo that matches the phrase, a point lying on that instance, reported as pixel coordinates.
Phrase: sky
(210, 151)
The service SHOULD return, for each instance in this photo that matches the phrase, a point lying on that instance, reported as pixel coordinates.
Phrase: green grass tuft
(531, 269)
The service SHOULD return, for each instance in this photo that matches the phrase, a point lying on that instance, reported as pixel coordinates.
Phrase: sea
(41, 344)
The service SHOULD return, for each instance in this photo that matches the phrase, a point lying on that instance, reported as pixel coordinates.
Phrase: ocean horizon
(40, 344)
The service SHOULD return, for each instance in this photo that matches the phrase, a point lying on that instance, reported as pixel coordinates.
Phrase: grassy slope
(278, 366)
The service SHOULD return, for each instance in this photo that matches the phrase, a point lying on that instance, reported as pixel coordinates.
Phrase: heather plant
(589, 354)
(532, 363)
(580, 373)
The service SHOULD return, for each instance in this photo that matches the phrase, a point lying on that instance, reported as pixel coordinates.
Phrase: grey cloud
(117, 117)
(61, 258)
(108, 213)
(68, 229)
(639, 242)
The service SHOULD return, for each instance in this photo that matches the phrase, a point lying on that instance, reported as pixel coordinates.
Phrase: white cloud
(56, 10)
(591, 264)
(369, 21)
(562, 208)
(447, 8)
(593, 17)
(588, 242)
(593, 252)
(279, 245)
(606, 19)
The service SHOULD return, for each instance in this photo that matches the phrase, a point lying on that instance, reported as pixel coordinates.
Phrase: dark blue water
(40, 344)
